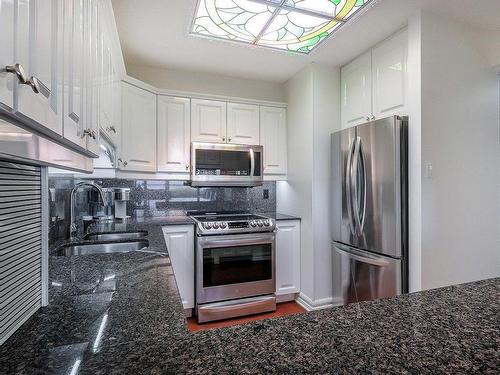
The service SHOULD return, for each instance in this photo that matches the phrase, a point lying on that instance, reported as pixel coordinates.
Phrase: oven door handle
(236, 240)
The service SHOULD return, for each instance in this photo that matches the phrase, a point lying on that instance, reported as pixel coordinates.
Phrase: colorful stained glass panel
(292, 25)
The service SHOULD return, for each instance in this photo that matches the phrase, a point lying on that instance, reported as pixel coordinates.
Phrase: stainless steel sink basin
(116, 236)
(102, 248)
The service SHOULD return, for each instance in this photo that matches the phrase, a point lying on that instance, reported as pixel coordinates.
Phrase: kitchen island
(121, 313)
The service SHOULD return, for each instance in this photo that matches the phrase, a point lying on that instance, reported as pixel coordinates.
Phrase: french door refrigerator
(370, 210)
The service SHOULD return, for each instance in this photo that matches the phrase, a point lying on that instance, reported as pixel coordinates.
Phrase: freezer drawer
(362, 276)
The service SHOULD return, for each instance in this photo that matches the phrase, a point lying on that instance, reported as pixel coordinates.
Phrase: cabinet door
(180, 245)
(287, 256)
(173, 134)
(7, 80)
(243, 124)
(356, 95)
(138, 145)
(389, 64)
(39, 41)
(74, 78)
(106, 99)
(208, 121)
(93, 61)
(273, 138)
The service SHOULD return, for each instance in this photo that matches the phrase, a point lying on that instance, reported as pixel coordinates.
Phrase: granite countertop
(121, 313)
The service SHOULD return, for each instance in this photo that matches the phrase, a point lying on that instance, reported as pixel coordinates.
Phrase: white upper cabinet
(389, 69)
(356, 94)
(93, 73)
(138, 143)
(74, 77)
(7, 79)
(174, 138)
(375, 84)
(287, 256)
(38, 47)
(243, 124)
(208, 121)
(273, 138)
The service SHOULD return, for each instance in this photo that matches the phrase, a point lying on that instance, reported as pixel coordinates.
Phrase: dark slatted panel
(20, 244)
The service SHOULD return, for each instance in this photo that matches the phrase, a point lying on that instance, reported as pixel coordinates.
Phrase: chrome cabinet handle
(18, 70)
(125, 163)
(229, 139)
(367, 118)
(223, 139)
(35, 84)
(111, 129)
(372, 118)
(89, 133)
(187, 166)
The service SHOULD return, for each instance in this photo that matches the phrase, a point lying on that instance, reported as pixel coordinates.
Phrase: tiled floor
(282, 309)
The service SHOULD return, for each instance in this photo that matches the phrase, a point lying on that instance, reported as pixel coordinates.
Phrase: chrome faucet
(73, 229)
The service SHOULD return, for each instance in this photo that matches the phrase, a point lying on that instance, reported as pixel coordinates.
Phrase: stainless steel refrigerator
(370, 210)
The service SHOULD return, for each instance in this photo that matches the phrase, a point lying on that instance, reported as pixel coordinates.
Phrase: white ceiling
(155, 33)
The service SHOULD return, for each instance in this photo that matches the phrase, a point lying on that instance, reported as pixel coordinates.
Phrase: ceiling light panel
(291, 25)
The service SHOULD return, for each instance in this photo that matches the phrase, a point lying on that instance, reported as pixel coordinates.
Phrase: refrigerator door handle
(348, 188)
(355, 190)
(361, 256)
(363, 191)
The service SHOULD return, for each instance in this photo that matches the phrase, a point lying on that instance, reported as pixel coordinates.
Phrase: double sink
(105, 243)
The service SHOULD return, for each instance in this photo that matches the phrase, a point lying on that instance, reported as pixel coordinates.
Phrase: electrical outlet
(266, 194)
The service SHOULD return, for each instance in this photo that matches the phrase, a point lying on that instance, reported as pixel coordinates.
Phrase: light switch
(428, 170)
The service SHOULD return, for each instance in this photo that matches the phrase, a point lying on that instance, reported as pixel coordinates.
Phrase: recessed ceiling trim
(296, 26)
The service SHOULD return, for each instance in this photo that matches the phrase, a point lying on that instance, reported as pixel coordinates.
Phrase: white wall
(313, 97)
(294, 196)
(460, 138)
(205, 83)
(414, 153)
(326, 93)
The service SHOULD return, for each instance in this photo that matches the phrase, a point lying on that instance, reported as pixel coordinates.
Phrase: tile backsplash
(154, 198)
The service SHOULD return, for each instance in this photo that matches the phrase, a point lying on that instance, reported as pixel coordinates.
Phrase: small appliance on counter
(122, 195)
(235, 265)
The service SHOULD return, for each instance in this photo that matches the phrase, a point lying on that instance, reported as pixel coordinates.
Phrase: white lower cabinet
(180, 246)
(287, 257)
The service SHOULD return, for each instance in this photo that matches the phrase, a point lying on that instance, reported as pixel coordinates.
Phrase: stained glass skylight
(291, 25)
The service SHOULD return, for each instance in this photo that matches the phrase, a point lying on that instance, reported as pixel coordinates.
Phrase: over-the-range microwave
(221, 164)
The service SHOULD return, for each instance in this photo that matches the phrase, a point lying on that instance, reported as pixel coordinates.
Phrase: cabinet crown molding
(196, 95)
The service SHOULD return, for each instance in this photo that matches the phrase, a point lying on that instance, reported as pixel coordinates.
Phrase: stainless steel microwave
(221, 164)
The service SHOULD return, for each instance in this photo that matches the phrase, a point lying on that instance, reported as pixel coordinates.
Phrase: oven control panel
(216, 227)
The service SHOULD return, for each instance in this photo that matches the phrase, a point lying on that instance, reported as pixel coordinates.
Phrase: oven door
(218, 164)
(235, 266)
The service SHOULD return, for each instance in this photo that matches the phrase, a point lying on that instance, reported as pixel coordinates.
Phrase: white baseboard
(323, 303)
(286, 297)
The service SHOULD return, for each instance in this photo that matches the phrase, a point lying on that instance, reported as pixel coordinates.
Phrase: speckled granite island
(121, 314)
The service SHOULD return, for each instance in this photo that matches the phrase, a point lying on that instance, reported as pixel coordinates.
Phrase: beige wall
(204, 83)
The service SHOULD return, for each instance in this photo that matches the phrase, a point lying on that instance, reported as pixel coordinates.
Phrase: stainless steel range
(235, 265)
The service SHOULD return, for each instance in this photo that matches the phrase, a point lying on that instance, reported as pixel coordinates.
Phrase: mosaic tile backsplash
(154, 198)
